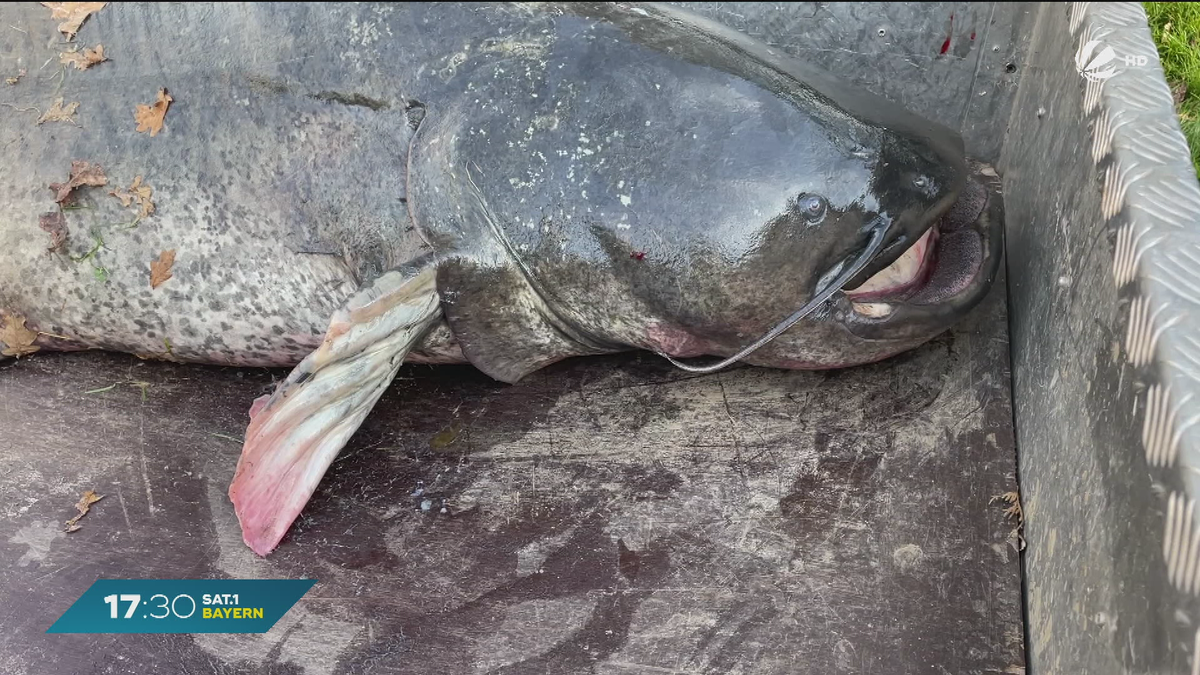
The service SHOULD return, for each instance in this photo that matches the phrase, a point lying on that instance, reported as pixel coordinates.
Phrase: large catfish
(521, 184)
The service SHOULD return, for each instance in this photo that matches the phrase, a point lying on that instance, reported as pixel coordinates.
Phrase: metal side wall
(955, 62)
(1103, 213)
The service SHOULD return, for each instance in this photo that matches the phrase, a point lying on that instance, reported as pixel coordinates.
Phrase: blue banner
(182, 605)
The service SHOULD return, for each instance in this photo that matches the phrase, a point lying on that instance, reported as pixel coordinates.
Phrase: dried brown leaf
(83, 506)
(16, 79)
(82, 173)
(15, 338)
(60, 113)
(85, 59)
(150, 117)
(137, 193)
(73, 14)
(1179, 92)
(55, 223)
(160, 270)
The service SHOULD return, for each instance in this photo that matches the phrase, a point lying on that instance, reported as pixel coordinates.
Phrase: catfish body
(589, 177)
(522, 183)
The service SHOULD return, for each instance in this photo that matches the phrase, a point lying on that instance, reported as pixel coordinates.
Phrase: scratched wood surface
(609, 515)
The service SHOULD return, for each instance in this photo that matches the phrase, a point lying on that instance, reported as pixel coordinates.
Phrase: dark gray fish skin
(641, 180)
(590, 177)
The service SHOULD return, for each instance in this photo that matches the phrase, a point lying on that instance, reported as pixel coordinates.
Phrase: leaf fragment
(160, 270)
(137, 193)
(55, 224)
(15, 79)
(60, 113)
(15, 339)
(83, 506)
(82, 173)
(150, 117)
(73, 15)
(85, 59)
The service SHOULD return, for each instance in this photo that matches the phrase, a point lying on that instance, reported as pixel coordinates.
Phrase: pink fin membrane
(258, 404)
(295, 433)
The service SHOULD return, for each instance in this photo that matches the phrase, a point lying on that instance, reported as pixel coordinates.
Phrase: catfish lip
(907, 272)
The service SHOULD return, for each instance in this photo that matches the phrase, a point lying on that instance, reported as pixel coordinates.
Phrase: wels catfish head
(838, 228)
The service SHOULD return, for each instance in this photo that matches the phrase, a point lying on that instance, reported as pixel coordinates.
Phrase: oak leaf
(136, 193)
(15, 338)
(85, 59)
(82, 173)
(83, 506)
(150, 117)
(56, 225)
(73, 15)
(160, 270)
(60, 113)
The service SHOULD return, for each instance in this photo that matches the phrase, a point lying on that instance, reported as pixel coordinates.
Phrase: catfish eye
(812, 206)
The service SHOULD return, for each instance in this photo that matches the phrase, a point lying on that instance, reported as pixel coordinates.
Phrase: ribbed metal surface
(1151, 199)
(1103, 218)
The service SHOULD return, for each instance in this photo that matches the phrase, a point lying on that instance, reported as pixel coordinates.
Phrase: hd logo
(1097, 62)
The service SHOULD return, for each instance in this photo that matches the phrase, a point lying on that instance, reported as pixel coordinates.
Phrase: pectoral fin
(294, 436)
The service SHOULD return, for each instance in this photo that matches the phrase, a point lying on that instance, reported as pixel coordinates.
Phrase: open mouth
(942, 264)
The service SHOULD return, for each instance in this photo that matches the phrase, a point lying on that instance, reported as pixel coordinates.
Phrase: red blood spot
(637, 255)
(946, 44)
(972, 35)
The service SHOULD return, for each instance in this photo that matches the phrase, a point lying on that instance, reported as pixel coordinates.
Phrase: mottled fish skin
(619, 179)
(278, 201)
(652, 195)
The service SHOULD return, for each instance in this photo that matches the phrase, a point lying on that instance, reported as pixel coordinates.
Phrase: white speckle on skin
(620, 185)
(626, 200)
(647, 122)
(584, 193)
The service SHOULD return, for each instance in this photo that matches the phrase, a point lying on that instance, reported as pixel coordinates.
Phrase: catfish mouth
(940, 277)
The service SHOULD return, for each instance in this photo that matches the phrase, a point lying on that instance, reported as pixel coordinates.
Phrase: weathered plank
(608, 515)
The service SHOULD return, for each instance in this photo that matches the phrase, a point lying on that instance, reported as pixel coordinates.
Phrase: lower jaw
(964, 264)
(875, 357)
